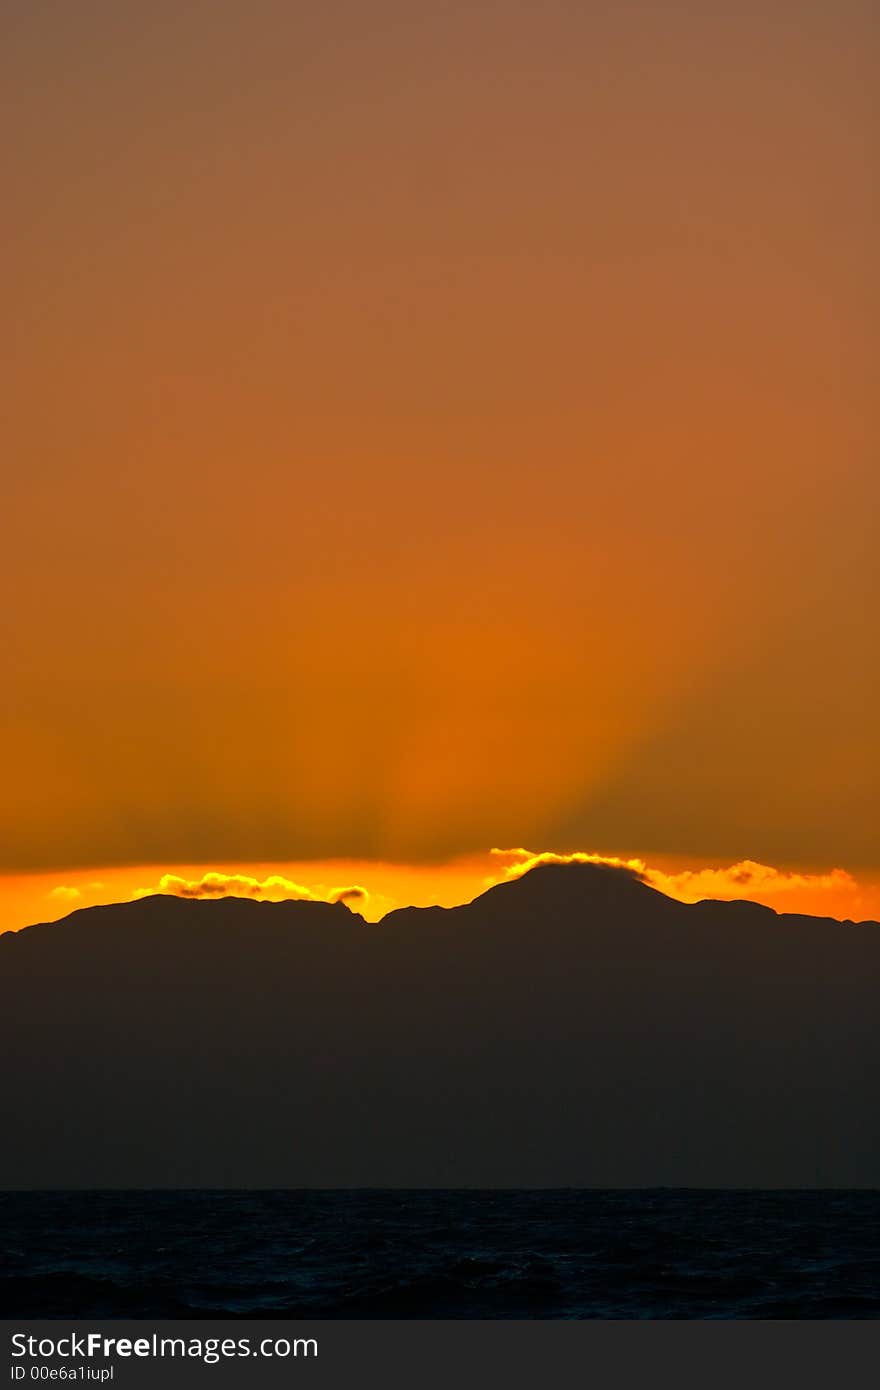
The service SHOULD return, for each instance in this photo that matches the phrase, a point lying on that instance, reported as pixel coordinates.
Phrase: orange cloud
(354, 894)
(835, 892)
(522, 860)
(748, 879)
(64, 894)
(274, 888)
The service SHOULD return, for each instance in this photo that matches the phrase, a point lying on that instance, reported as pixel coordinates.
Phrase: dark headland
(573, 1027)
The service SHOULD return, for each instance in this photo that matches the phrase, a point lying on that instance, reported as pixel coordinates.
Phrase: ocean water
(440, 1254)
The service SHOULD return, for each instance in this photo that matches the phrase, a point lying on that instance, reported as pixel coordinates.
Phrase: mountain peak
(578, 884)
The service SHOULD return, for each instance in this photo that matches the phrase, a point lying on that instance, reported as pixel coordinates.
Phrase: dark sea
(440, 1254)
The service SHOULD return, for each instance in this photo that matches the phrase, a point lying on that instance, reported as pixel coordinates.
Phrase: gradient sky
(431, 428)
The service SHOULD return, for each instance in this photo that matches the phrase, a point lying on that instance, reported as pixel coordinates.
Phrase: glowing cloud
(522, 860)
(749, 879)
(274, 888)
(836, 890)
(63, 894)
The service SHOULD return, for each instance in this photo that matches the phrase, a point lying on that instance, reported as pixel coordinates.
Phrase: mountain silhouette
(572, 1027)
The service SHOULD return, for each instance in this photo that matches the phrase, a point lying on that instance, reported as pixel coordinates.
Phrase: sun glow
(373, 889)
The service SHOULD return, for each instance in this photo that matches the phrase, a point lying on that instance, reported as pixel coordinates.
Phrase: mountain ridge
(616, 882)
(563, 1029)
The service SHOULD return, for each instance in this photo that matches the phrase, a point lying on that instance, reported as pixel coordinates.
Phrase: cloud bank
(274, 888)
(788, 891)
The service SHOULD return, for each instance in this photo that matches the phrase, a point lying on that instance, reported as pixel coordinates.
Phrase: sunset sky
(436, 428)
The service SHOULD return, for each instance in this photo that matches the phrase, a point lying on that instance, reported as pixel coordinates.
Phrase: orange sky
(373, 888)
(431, 428)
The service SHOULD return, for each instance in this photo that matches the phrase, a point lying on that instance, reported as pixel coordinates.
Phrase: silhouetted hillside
(572, 1027)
